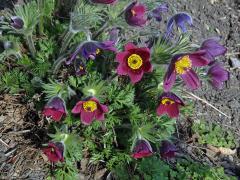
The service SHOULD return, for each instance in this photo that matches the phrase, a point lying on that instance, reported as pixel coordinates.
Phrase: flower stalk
(30, 44)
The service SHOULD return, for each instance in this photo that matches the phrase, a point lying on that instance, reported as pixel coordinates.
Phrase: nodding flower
(142, 149)
(135, 14)
(55, 109)
(158, 11)
(54, 151)
(17, 22)
(90, 49)
(169, 103)
(213, 48)
(217, 75)
(167, 149)
(180, 20)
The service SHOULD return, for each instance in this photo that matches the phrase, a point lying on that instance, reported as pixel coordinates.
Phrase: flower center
(167, 101)
(98, 51)
(81, 68)
(135, 61)
(90, 106)
(183, 64)
(133, 12)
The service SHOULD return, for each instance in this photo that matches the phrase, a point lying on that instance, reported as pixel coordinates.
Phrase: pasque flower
(182, 65)
(217, 75)
(89, 110)
(104, 1)
(142, 149)
(17, 22)
(180, 20)
(134, 62)
(55, 109)
(213, 48)
(135, 14)
(169, 104)
(167, 149)
(157, 12)
(54, 152)
(90, 49)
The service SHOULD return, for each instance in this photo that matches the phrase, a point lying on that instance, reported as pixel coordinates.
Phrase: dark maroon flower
(104, 1)
(182, 65)
(17, 22)
(80, 67)
(157, 12)
(134, 62)
(89, 110)
(180, 20)
(213, 48)
(217, 74)
(135, 14)
(167, 149)
(169, 104)
(54, 152)
(55, 109)
(90, 49)
(142, 149)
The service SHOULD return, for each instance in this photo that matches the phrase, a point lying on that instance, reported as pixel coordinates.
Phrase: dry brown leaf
(222, 150)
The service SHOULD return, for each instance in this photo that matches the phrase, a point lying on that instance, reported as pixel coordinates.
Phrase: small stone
(235, 62)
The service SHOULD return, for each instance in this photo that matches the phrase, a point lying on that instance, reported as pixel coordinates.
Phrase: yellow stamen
(183, 64)
(133, 12)
(135, 61)
(98, 51)
(81, 68)
(167, 101)
(90, 106)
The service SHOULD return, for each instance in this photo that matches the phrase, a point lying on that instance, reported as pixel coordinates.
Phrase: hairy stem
(30, 44)
(40, 25)
(66, 40)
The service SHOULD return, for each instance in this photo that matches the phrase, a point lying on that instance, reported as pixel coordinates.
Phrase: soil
(22, 130)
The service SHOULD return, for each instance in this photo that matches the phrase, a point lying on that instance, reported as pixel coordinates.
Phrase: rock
(235, 62)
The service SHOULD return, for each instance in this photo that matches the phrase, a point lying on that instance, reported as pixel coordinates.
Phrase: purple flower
(142, 149)
(169, 104)
(55, 109)
(90, 49)
(213, 48)
(104, 1)
(17, 22)
(167, 149)
(217, 75)
(54, 152)
(89, 110)
(182, 65)
(179, 19)
(134, 62)
(135, 14)
(157, 12)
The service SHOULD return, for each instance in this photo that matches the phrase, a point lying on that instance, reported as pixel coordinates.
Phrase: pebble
(235, 62)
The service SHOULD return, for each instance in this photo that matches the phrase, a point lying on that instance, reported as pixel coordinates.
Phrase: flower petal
(130, 46)
(77, 108)
(122, 70)
(169, 78)
(198, 59)
(162, 109)
(173, 110)
(87, 117)
(135, 76)
(191, 79)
